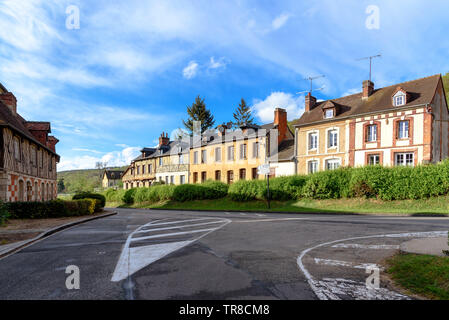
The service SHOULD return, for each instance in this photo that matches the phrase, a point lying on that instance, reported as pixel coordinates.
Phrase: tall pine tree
(198, 112)
(243, 114)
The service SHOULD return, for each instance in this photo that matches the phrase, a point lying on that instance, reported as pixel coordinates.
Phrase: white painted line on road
(134, 259)
(338, 263)
(177, 227)
(261, 215)
(242, 214)
(325, 292)
(270, 220)
(172, 234)
(366, 246)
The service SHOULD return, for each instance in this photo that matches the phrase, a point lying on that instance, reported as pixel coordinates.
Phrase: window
(138, 169)
(203, 156)
(255, 149)
(217, 175)
(195, 157)
(150, 168)
(332, 139)
(182, 179)
(132, 171)
(404, 159)
(242, 174)
(203, 176)
(254, 174)
(161, 162)
(403, 127)
(195, 177)
(371, 133)
(143, 169)
(181, 159)
(217, 154)
(243, 151)
(373, 159)
(33, 156)
(329, 113)
(332, 164)
(230, 177)
(16, 149)
(231, 153)
(313, 141)
(313, 166)
(172, 180)
(399, 99)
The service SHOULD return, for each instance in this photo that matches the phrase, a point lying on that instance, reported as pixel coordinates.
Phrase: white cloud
(191, 70)
(113, 159)
(280, 21)
(217, 64)
(264, 109)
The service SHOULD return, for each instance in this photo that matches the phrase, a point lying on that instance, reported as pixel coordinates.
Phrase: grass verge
(424, 275)
(437, 206)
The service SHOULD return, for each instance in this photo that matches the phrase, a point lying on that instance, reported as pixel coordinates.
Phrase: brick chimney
(51, 143)
(310, 102)
(280, 119)
(164, 140)
(10, 101)
(368, 88)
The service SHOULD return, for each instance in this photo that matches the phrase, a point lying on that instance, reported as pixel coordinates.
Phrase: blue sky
(128, 73)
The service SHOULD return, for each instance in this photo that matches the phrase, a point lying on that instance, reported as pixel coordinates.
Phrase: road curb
(388, 215)
(47, 233)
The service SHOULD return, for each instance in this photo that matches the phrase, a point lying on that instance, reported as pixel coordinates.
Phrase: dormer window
(329, 113)
(399, 98)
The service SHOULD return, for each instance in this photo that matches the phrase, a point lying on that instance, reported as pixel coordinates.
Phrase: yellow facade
(324, 153)
(140, 173)
(220, 165)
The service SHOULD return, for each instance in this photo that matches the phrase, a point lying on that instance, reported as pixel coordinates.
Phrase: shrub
(50, 209)
(128, 196)
(113, 195)
(206, 190)
(243, 190)
(4, 214)
(328, 184)
(286, 188)
(154, 193)
(87, 195)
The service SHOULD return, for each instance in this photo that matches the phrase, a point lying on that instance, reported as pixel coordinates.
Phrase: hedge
(99, 205)
(4, 214)
(50, 209)
(385, 183)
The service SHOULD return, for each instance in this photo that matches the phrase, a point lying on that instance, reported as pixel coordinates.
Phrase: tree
(446, 86)
(243, 114)
(61, 186)
(198, 112)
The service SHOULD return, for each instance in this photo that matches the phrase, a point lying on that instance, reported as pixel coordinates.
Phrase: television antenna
(370, 62)
(311, 79)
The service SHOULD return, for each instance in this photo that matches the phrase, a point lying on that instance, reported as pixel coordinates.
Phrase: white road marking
(261, 215)
(338, 263)
(326, 292)
(134, 259)
(270, 220)
(366, 246)
(172, 234)
(242, 214)
(177, 227)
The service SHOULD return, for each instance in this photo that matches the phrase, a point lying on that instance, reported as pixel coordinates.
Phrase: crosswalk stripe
(171, 234)
(177, 227)
(180, 221)
(338, 263)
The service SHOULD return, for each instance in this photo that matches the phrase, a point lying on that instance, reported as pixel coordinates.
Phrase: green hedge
(4, 214)
(50, 209)
(88, 195)
(385, 183)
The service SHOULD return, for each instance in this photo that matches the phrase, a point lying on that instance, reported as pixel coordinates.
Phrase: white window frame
(373, 155)
(371, 134)
(231, 155)
(315, 168)
(332, 138)
(203, 156)
(403, 131)
(335, 164)
(256, 149)
(195, 157)
(329, 116)
(315, 145)
(160, 161)
(407, 159)
(243, 151)
(399, 99)
(218, 154)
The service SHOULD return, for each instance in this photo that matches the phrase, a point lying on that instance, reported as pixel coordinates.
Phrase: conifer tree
(198, 112)
(243, 114)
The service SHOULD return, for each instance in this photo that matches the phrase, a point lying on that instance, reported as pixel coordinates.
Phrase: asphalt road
(143, 254)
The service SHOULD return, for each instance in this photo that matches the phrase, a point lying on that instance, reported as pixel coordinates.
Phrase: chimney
(51, 143)
(164, 140)
(368, 88)
(10, 101)
(280, 119)
(310, 102)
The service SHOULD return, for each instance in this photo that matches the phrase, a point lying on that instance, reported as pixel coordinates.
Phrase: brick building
(111, 178)
(403, 124)
(27, 156)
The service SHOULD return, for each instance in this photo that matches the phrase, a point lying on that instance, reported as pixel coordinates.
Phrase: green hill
(81, 180)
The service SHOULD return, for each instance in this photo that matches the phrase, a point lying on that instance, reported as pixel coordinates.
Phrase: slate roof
(19, 125)
(421, 92)
(113, 175)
